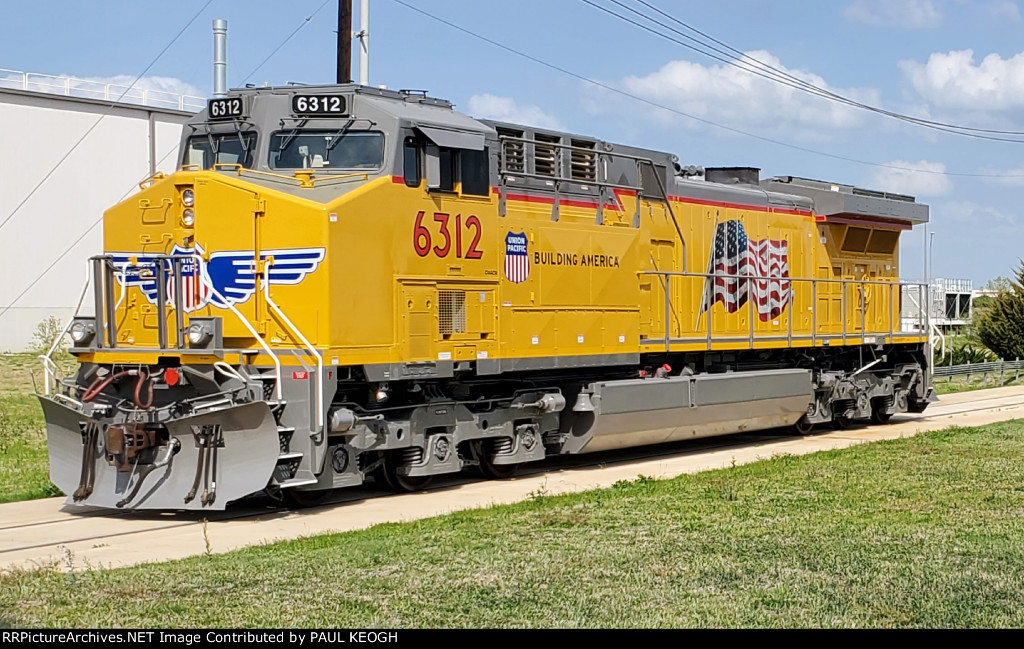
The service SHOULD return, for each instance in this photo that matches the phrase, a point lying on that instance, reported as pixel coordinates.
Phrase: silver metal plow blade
(221, 455)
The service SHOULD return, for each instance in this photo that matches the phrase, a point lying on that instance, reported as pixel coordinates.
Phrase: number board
(226, 108)
(328, 105)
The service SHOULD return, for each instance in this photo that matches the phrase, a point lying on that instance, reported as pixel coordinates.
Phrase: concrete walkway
(43, 532)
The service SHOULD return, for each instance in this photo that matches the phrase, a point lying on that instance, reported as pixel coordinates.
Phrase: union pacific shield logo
(517, 257)
(194, 292)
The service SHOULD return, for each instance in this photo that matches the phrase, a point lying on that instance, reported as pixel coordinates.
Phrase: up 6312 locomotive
(343, 283)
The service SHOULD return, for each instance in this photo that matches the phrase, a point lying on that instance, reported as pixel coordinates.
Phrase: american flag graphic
(517, 257)
(194, 292)
(735, 254)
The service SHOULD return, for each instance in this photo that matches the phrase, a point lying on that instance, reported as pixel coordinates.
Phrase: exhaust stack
(220, 58)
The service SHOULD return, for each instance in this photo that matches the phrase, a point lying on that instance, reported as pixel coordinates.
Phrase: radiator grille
(584, 163)
(451, 307)
(514, 152)
(544, 156)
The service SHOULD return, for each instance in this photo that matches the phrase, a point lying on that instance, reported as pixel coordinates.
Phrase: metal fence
(87, 89)
(1004, 369)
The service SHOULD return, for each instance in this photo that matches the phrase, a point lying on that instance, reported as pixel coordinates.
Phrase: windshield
(221, 148)
(326, 149)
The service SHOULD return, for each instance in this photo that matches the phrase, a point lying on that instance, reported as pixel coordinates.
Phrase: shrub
(48, 331)
(1001, 324)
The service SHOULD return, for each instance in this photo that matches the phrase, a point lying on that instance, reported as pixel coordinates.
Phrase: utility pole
(344, 41)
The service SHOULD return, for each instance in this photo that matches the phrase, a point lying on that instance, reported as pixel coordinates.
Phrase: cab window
(459, 166)
(326, 149)
(205, 151)
(411, 162)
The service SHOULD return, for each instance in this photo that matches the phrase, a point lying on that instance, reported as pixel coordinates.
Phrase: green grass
(925, 531)
(956, 384)
(24, 466)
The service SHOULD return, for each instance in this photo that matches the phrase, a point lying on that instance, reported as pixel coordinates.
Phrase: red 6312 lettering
(449, 236)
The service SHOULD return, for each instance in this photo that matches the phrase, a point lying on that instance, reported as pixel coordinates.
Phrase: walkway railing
(853, 325)
(88, 89)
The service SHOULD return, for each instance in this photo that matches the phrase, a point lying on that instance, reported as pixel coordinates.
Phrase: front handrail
(105, 272)
(316, 353)
(238, 169)
(245, 322)
(304, 177)
(50, 369)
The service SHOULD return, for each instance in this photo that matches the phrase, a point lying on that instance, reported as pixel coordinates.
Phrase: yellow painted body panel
(384, 294)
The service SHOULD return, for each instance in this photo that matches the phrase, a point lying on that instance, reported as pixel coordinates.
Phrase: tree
(1001, 324)
(998, 284)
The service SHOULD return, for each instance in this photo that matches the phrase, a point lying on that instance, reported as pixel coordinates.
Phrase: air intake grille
(544, 157)
(584, 163)
(451, 307)
(513, 153)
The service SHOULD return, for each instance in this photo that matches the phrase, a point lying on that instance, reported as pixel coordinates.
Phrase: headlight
(199, 335)
(82, 332)
(188, 198)
(188, 217)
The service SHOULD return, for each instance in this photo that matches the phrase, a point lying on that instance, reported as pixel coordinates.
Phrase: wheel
(802, 426)
(488, 468)
(295, 499)
(880, 416)
(398, 482)
(842, 422)
(915, 406)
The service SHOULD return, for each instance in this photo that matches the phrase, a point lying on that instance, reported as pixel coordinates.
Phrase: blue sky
(957, 61)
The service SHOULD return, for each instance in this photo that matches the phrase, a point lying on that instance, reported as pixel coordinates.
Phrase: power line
(655, 104)
(746, 56)
(284, 42)
(771, 73)
(76, 242)
(99, 220)
(110, 108)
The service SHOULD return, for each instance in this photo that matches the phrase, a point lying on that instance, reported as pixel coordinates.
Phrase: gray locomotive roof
(834, 199)
(440, 122)
(411, 109)
(740, 194)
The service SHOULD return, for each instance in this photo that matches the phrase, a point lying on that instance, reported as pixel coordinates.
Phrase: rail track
(46, 533)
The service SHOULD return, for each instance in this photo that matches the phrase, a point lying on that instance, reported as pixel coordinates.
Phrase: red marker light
(171, 376)
(666, 367)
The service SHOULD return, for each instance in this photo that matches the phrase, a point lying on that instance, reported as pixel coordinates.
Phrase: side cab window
(447, 166)
(411, 162)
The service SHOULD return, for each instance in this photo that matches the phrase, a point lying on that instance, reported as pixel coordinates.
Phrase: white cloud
(1003, 10)
(920, 178)
(153, 91)
(905, 14)
(161, 84)
(504, 109)
(980, 217)
(953, 80)
(728, 95)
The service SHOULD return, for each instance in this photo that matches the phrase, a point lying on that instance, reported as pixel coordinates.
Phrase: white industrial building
(42, 268)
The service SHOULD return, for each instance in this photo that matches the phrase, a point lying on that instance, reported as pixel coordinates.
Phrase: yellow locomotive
(343, 282)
